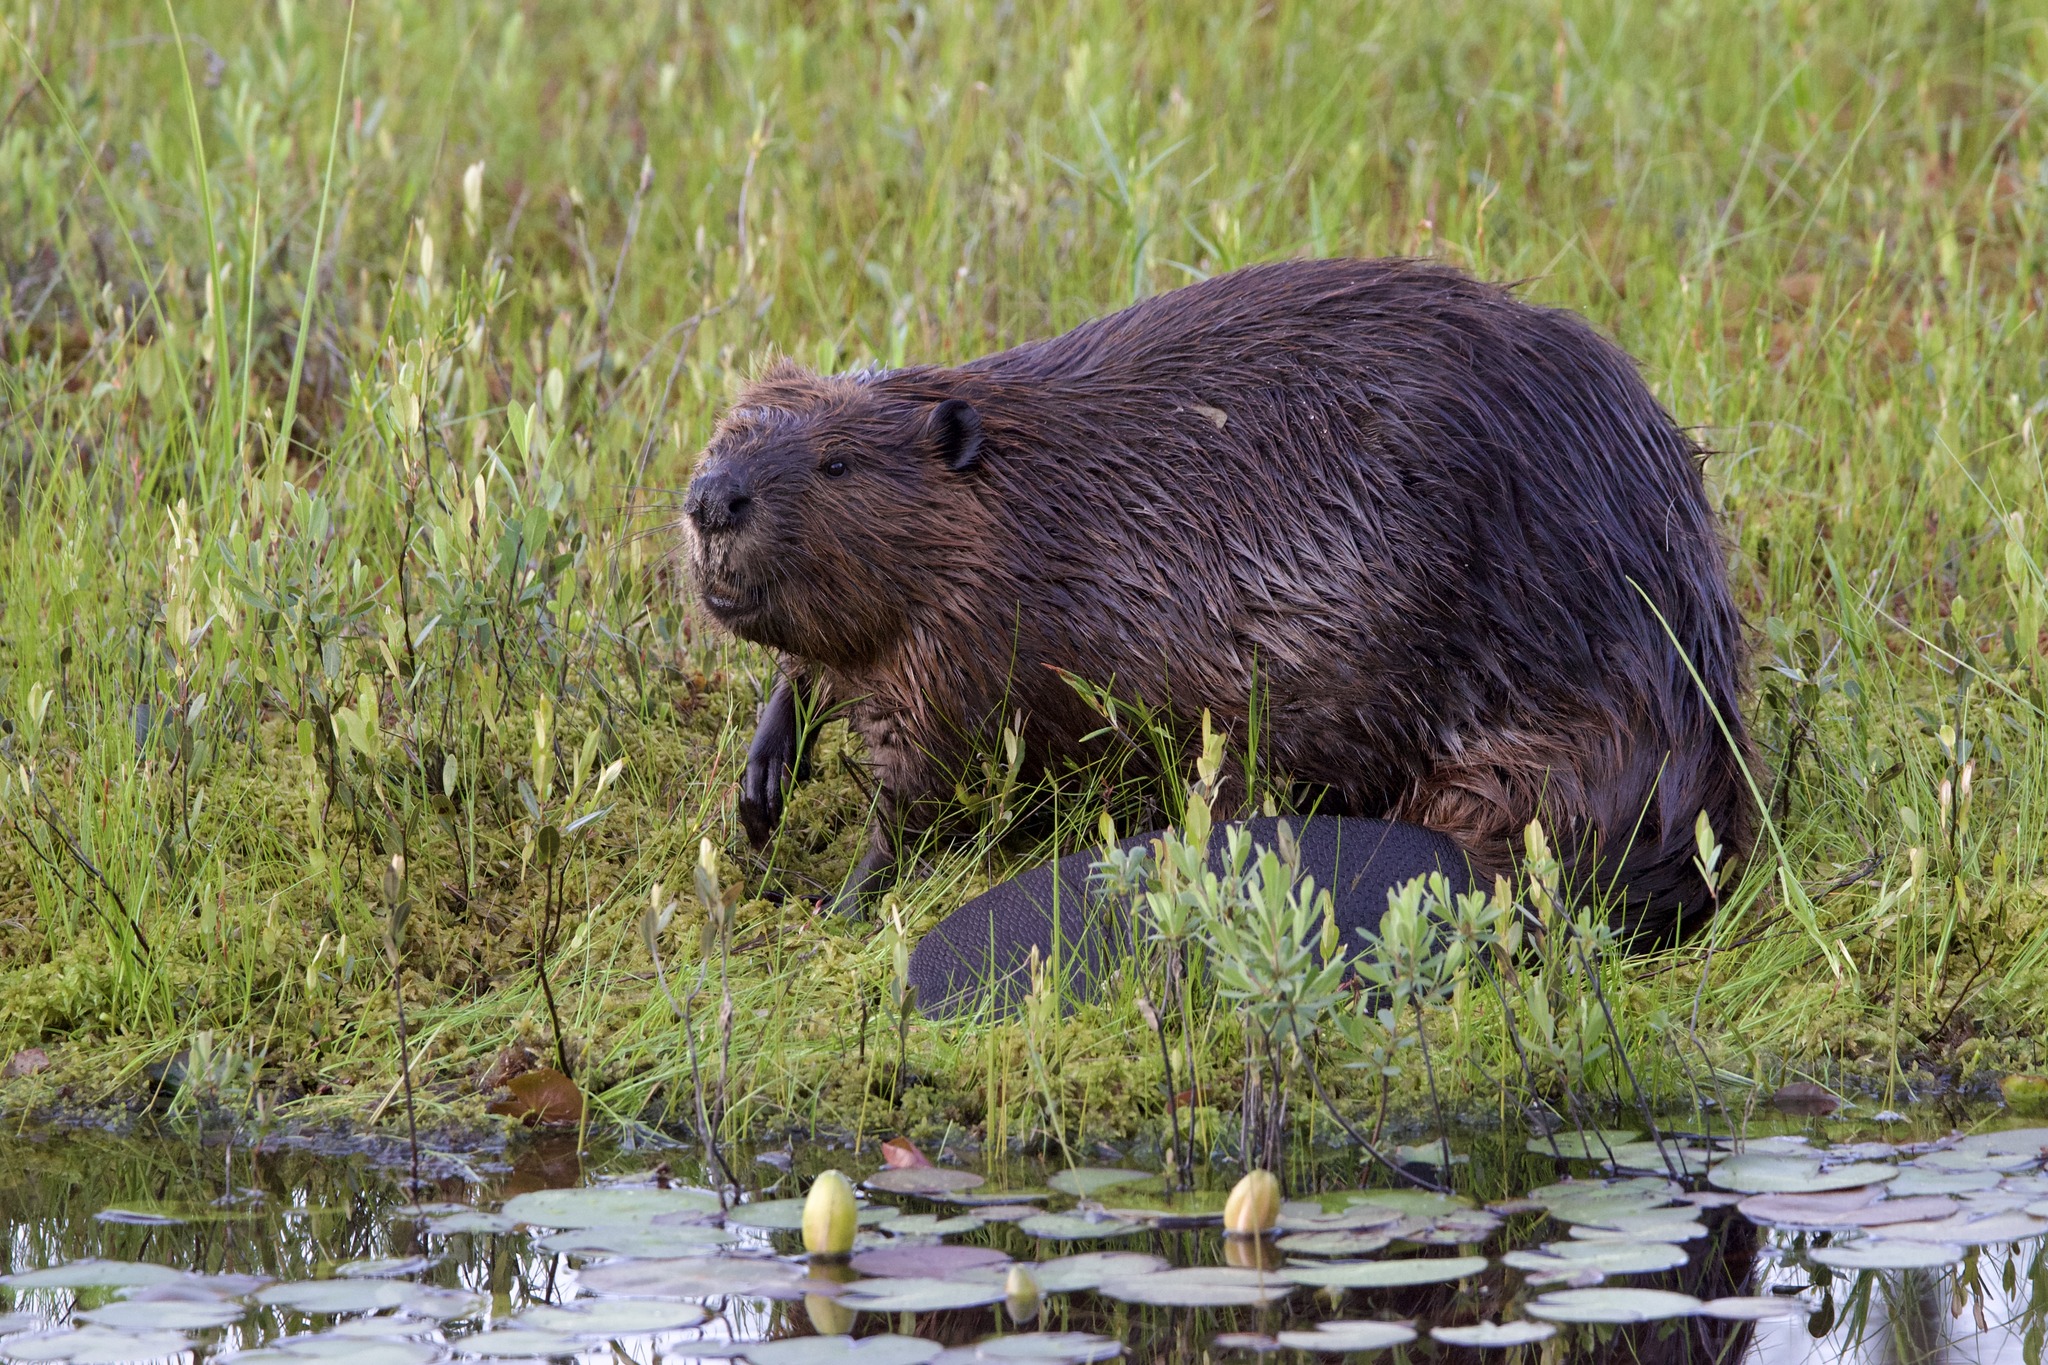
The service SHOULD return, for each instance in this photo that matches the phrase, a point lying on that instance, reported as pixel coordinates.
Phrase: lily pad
(345, 1348)
(378, 1328)
(95, 1346)
(2018, 1141)
(1070, 1274)
(610, 1318)
(1494, 1336)
(1887, 1255)
(1392, 1274)
(473, 1222)
(943, 1261)
(1301, 1215)
(1073, 1348)
(1200, 1287)
(1003, 1213)
(1623, 1214)
(196, 1288)
(1333, 1243)
(976, 1198)
(1607, 1187)
(1963, 1160)
(1453, 1229)
(1076, 1227)
(93, 1275)
(644, 1241)
(318, 1297)
(518, 1343)
(1755, 1308)
(928, 1182)
(595, 1206)
(1177, 1209)
(917, 1295)
(787, 1215)
(442, 1305)
(1979, 1202)
(1594, 1209)
(1780, 1144)
(1609, 1258)
(386, 1267)
(932, 1225)
(1426, 1203)
(888, 1349)
(1085, 1182)
(1611, 1305)
(129, 1315)
(1769, 1174)
(18, 1322)
(1592, 1144)
(1342, 1337)
(1683, 1158)
(1710, 1199)
(1857, 1208)
(1965, 1230)
(701, 1277)
(1657, 1225)
(1921, 1180)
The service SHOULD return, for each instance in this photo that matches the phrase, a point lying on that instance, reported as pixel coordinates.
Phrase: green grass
(327, 479)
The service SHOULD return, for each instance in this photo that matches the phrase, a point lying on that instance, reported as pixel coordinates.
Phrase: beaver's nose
(718, 500)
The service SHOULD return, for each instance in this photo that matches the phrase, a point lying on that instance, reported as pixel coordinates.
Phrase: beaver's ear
(954, 429)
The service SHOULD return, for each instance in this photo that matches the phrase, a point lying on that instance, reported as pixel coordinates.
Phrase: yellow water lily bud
(829, 1317)
(830, 1216)
(1021, 1297)
(1254, 1205)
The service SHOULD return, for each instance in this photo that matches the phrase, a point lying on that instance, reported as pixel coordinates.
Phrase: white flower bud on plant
(1253, 1206)
(473, 198)
(830, 1216)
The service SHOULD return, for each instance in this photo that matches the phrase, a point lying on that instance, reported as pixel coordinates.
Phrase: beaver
(1441, 545)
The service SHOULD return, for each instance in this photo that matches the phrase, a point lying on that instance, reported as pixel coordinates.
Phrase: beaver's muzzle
(718, 501)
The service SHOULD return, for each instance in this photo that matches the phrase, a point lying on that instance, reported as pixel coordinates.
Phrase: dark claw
(771, 760)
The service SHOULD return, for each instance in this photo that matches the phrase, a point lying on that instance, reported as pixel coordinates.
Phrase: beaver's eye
(834, 468)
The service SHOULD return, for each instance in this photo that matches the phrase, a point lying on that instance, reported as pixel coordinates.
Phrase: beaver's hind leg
(1487, 794)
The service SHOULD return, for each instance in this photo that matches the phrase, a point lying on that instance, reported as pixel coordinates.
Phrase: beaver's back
(1417, 511)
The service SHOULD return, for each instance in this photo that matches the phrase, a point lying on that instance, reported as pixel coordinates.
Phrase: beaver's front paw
(771, 761)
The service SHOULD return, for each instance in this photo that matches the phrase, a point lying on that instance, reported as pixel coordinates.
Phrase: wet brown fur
(1409, 507)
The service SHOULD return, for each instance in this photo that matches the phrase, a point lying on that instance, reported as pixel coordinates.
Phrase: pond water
(1825, 1244)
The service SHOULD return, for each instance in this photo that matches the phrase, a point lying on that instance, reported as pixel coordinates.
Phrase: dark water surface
(333, 1207)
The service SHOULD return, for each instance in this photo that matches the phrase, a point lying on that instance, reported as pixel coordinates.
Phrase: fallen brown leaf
(900, 1154)
(543, 1096)
(26, 1062)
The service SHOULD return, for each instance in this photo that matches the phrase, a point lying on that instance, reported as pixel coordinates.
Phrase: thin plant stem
(1315, 1081)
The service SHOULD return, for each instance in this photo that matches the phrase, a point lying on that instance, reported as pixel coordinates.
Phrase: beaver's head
(827, 511)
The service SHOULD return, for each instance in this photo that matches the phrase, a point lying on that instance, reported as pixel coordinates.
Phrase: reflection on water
(305, 1212)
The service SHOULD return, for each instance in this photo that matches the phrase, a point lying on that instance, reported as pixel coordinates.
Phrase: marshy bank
(353, 357)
